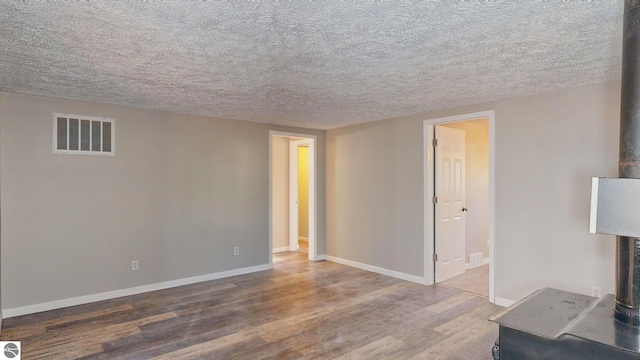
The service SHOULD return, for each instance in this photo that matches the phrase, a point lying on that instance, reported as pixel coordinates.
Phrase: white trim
(291, 135)
(503, 302)
(459, 118)
(492, 205)
(428, 159)
(378, 270)
(593, 216)
(429, 211)
(280, 249)
(270, 200)
(313, 190)
(313, 198)
(303, 238)
(30, 309)
(293, 196)
(485, 261)
(319, 258)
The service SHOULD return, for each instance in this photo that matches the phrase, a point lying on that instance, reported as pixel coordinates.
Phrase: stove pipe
(627, 308)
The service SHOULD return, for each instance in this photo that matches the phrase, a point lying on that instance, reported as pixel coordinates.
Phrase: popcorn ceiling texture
(311, 64)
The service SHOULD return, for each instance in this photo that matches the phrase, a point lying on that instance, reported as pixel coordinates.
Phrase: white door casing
(429, 208)
(313, 191)
(450, 195)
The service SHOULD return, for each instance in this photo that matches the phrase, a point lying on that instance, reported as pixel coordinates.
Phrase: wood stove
(559, 325)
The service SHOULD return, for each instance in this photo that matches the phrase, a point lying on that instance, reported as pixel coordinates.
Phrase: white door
(449, 207)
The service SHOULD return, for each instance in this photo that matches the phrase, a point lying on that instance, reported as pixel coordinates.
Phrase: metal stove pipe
(627, 308)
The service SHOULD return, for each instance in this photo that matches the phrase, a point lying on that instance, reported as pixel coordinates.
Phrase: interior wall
(280, 192)
(180, 193)
(374, 195)
(303, 192)
(476, 185)
(547, 148)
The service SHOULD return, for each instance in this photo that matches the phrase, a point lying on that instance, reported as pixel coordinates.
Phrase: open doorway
(459, 202)
(299, 195)
(292, 178)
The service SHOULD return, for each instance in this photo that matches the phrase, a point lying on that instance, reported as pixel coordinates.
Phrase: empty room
(320, 180)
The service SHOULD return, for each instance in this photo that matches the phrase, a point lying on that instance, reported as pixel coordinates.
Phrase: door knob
(465, 209)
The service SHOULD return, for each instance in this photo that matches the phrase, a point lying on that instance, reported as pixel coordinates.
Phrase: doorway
(292, 193)
(299, 194)
(459, 202)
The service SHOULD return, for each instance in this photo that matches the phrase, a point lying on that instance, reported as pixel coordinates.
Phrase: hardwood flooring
(298, 310)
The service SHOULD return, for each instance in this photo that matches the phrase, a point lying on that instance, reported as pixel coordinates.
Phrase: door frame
(313, 190)
(428, 176)
(293, 192)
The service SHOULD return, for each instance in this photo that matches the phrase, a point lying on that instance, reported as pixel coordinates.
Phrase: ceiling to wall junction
(310, 64)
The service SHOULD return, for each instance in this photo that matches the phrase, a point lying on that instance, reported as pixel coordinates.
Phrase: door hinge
(435, 200)
(435, 257)
(435, 142)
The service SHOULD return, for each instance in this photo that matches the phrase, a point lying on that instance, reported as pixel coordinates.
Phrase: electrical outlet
(236, 250)
(595, 291)
(134, 265)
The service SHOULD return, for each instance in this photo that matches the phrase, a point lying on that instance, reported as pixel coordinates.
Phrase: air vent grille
(85, 135)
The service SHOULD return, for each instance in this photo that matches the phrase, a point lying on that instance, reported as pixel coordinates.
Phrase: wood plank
(376, 350)
(74, 345)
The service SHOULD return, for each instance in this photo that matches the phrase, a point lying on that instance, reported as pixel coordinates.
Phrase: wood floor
(298, 310)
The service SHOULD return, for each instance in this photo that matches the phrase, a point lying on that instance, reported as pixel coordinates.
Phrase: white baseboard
(280, 249)
(503, 302)
(319, 258)
(30, 309)
(379, 270)
(485, 261)
(303, 238)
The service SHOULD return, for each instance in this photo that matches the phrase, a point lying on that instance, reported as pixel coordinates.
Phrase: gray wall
(374, 195)
(183, 190)
(280, 193)
(180, 193)
(547, 149)
(476, 184)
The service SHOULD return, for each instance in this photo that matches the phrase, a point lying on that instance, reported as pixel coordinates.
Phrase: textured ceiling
(310, 64)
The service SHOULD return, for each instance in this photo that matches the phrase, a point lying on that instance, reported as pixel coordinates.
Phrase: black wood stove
(555, 324)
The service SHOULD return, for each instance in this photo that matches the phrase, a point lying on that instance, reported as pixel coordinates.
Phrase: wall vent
(475, 259)
(83, 135)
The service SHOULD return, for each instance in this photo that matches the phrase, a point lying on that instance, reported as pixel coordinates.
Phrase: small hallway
(476, 213)
(292, 193)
